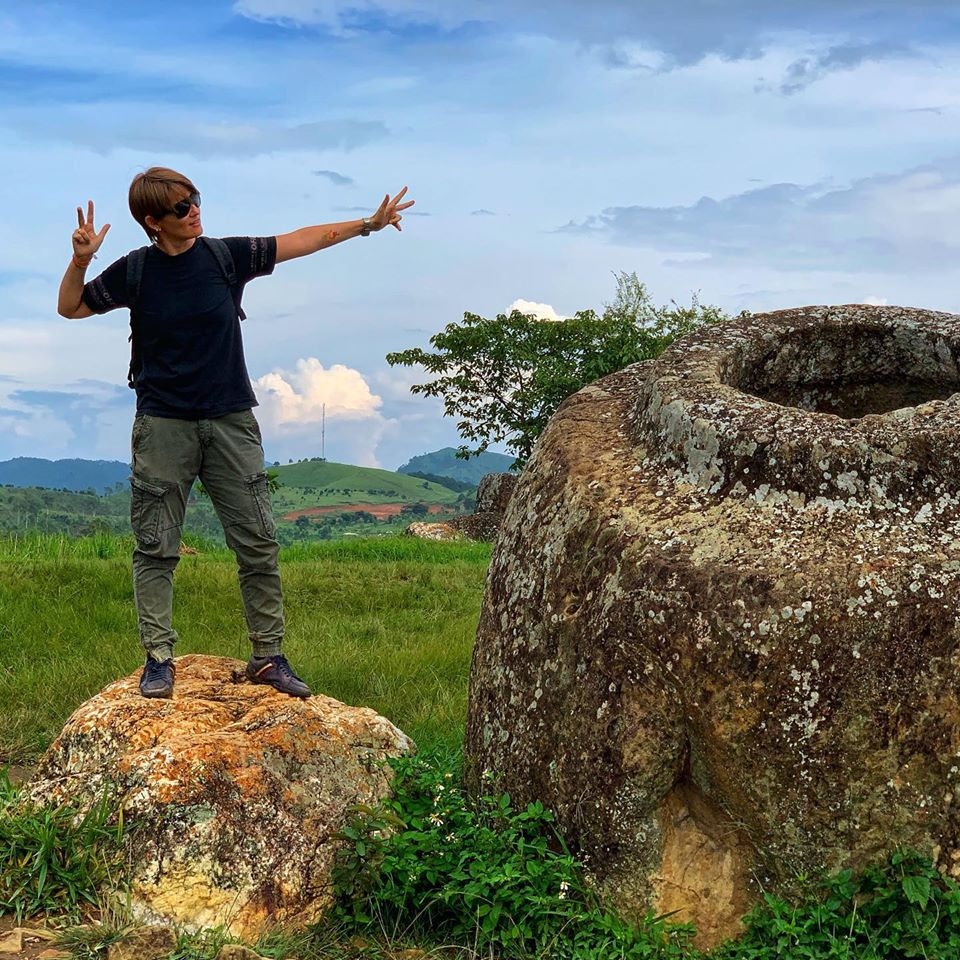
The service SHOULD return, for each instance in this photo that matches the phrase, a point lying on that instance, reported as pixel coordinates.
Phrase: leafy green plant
(897, 909)
(54, 860)
(437, 865)
(477, 871)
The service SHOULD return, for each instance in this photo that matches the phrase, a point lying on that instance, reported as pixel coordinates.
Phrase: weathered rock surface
(493, 495)
(17, 940)
(432, 531)
(719, 631)
(235, 788)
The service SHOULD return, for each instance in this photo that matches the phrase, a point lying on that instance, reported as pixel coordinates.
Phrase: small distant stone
(155, 942)
(12, 942)
(432, 531)
(16, 940)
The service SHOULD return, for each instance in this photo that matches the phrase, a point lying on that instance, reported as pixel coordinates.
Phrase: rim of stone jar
(692, 414)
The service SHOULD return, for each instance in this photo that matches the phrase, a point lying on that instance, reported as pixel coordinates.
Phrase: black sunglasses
(182, 207)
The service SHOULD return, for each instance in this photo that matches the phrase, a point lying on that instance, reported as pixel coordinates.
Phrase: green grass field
(386, 623)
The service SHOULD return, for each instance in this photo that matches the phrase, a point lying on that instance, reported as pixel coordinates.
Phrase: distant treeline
(458, 486)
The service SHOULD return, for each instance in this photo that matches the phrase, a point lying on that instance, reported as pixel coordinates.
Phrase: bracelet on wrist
(82, 264)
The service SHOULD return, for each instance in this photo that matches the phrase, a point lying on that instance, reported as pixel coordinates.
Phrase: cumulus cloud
(893, 223)
(297, 397)
(875, 301)
(292, 406)
(542, 311)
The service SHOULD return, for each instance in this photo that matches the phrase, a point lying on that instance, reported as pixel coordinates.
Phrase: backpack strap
(221, 251)
(135, 261)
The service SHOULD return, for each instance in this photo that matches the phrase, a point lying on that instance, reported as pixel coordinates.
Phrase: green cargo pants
(227, 454)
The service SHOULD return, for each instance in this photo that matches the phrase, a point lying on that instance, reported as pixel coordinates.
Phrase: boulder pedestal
(234, 791)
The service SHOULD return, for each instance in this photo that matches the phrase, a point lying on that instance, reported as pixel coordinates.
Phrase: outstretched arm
(308, 240)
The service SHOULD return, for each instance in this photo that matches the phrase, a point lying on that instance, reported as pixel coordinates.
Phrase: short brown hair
(154, 192)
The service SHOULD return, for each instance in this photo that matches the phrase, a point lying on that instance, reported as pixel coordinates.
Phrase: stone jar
(719, 632)
(493, 495)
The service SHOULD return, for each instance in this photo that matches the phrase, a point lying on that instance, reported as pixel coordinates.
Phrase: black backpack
(135, 262)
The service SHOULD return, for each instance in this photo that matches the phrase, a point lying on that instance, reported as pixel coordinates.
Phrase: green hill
(339, 499)
(444, 463)
(321, 483)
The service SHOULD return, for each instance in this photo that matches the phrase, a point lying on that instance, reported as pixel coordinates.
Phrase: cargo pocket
(146, 510)
(260, 492)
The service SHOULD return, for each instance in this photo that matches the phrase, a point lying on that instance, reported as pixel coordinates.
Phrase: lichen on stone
(727, 583)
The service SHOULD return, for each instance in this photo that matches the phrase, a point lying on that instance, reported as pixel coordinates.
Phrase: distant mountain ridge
(102, 476)
(444, 463)
(76, 475)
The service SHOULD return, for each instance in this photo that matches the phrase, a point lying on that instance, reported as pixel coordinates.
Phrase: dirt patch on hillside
(382, 511)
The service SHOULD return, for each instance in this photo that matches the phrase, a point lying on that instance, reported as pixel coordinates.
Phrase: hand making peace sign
(389, 212)
(86, 240)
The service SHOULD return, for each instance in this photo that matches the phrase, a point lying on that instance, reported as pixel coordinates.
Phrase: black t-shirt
(188, 333)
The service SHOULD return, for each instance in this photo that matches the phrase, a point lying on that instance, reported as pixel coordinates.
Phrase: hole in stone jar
(849, 371)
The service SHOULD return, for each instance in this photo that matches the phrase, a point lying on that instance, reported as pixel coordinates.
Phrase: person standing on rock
(194, 401)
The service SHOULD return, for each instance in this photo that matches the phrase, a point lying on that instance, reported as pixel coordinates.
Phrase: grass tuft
(53, 861)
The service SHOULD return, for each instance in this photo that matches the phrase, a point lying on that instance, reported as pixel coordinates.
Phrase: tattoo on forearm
(331, 235)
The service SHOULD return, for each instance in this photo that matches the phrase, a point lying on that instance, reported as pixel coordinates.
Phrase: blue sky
(764, 155)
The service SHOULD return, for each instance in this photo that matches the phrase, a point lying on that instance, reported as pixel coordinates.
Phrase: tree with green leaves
(504, 378)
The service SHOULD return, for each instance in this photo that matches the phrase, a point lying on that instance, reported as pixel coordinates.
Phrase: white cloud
(903, 222)
(297, 397)
(84, 418)
(542, 311)
(875, 301)
(291, 413)
(345, 17)
(199, 136)
(736, 29)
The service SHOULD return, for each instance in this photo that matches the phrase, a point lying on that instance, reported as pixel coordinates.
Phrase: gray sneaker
(277, 673)
(157, 678)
